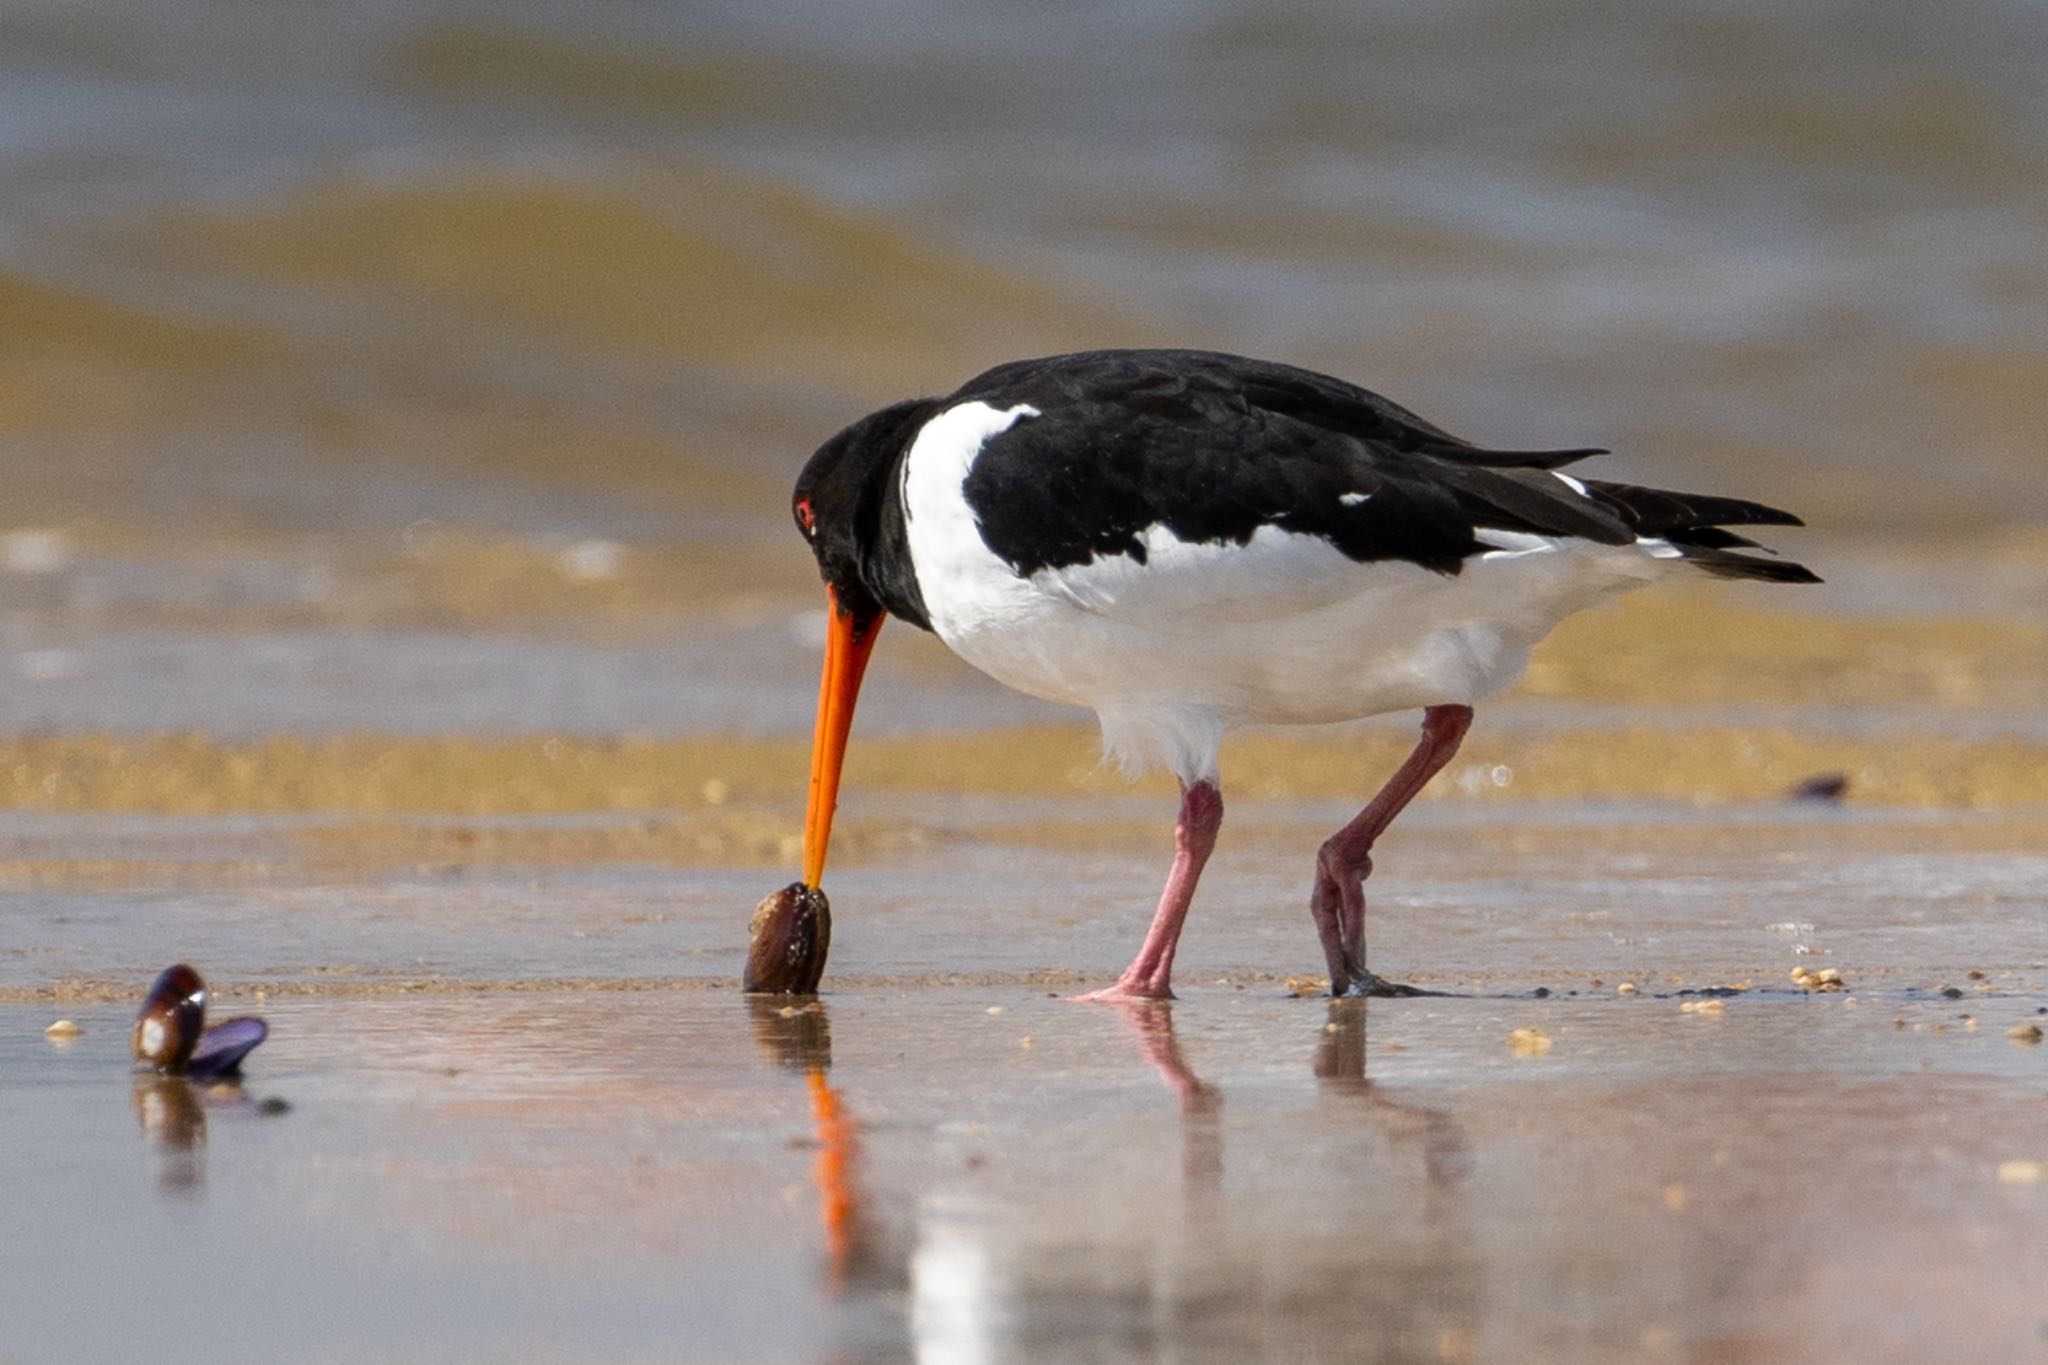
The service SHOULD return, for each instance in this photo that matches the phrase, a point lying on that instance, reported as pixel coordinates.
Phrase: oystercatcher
(1185, 541)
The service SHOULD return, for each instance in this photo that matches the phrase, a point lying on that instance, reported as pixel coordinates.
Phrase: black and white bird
(1186, 541)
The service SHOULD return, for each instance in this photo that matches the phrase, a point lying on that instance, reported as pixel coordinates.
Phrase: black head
(848, 505)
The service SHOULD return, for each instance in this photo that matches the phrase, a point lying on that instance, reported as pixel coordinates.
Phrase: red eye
(803, 514)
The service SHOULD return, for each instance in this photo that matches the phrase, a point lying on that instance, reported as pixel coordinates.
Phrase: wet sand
(524, 1109)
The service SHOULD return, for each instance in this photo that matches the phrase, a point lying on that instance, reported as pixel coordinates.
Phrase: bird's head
(840, 504)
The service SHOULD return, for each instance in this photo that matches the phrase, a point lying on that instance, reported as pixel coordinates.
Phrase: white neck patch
(958, 576)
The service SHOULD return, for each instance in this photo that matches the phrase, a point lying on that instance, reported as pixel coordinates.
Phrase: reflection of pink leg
(1152, 1021)
(1345, 860)
(1201, 1104)
(1194, 835)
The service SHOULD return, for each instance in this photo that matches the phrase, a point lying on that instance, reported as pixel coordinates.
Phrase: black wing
(1215, 446)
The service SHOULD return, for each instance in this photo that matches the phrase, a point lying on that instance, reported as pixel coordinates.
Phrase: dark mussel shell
(172, 1018)
(171, 1034)
(222, 1047)
(788, 937)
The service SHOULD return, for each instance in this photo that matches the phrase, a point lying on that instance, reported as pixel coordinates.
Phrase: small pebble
(1827, 979)
(1704, 1007)
(2024, 1033)
(1625, 988)
(1529, 1042)
(2021, 1172)
(63, 1031)
(1976, 975)
(994, 1009)
(1951, 992)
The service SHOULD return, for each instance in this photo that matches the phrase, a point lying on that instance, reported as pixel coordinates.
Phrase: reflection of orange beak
(848, 642)
(837, 1201)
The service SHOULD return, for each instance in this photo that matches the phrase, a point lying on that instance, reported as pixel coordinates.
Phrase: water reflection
(1201, 1104)
(172, 1113)
(798, 1038)
(1340, 1070)
(173, 1119)
(1321, 1229)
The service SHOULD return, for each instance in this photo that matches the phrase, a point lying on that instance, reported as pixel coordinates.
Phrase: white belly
(1284, 629)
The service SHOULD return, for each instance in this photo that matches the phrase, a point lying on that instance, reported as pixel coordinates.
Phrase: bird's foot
(1366, 985)
(1126, 993)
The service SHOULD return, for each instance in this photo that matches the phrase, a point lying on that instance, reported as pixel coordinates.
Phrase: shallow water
(981, 1172)
(530, 1112)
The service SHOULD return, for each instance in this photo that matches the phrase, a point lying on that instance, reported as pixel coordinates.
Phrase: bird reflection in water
(1201, 1104)
(1340, 1071)
(798, 1038)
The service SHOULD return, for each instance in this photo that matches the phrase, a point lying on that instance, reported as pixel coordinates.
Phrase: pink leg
(1345, 860)
(1201, 815)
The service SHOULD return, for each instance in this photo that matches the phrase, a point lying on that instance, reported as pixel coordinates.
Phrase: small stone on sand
(63, 1031)
(1529, 1042)
(1625, 988)
(2029, 1034)
(1824, 980)
(1704, 1007)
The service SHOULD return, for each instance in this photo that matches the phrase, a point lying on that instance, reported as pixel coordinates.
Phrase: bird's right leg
(1345, 859)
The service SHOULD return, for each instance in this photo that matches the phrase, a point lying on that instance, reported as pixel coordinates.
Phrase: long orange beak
(848, 642)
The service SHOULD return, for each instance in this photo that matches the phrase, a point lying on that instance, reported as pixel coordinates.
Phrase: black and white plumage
(1185, 541)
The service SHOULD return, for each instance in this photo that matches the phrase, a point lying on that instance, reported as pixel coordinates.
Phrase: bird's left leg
(1194, 836)
(1345, 859)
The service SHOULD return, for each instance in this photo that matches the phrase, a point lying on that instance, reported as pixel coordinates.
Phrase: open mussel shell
(222, 1047)
(788, 937)
(171, 1034)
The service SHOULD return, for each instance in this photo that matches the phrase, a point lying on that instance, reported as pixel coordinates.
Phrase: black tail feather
(1693, 523)
(1722, 564)
(1659, 511)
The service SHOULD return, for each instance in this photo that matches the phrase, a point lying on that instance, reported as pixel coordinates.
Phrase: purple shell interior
(222, 1047)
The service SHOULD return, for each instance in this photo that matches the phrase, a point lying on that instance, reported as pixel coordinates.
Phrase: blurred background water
(366, 354)
(1799, 246)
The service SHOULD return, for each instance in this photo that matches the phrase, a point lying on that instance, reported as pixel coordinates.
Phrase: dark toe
(1367, 985)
